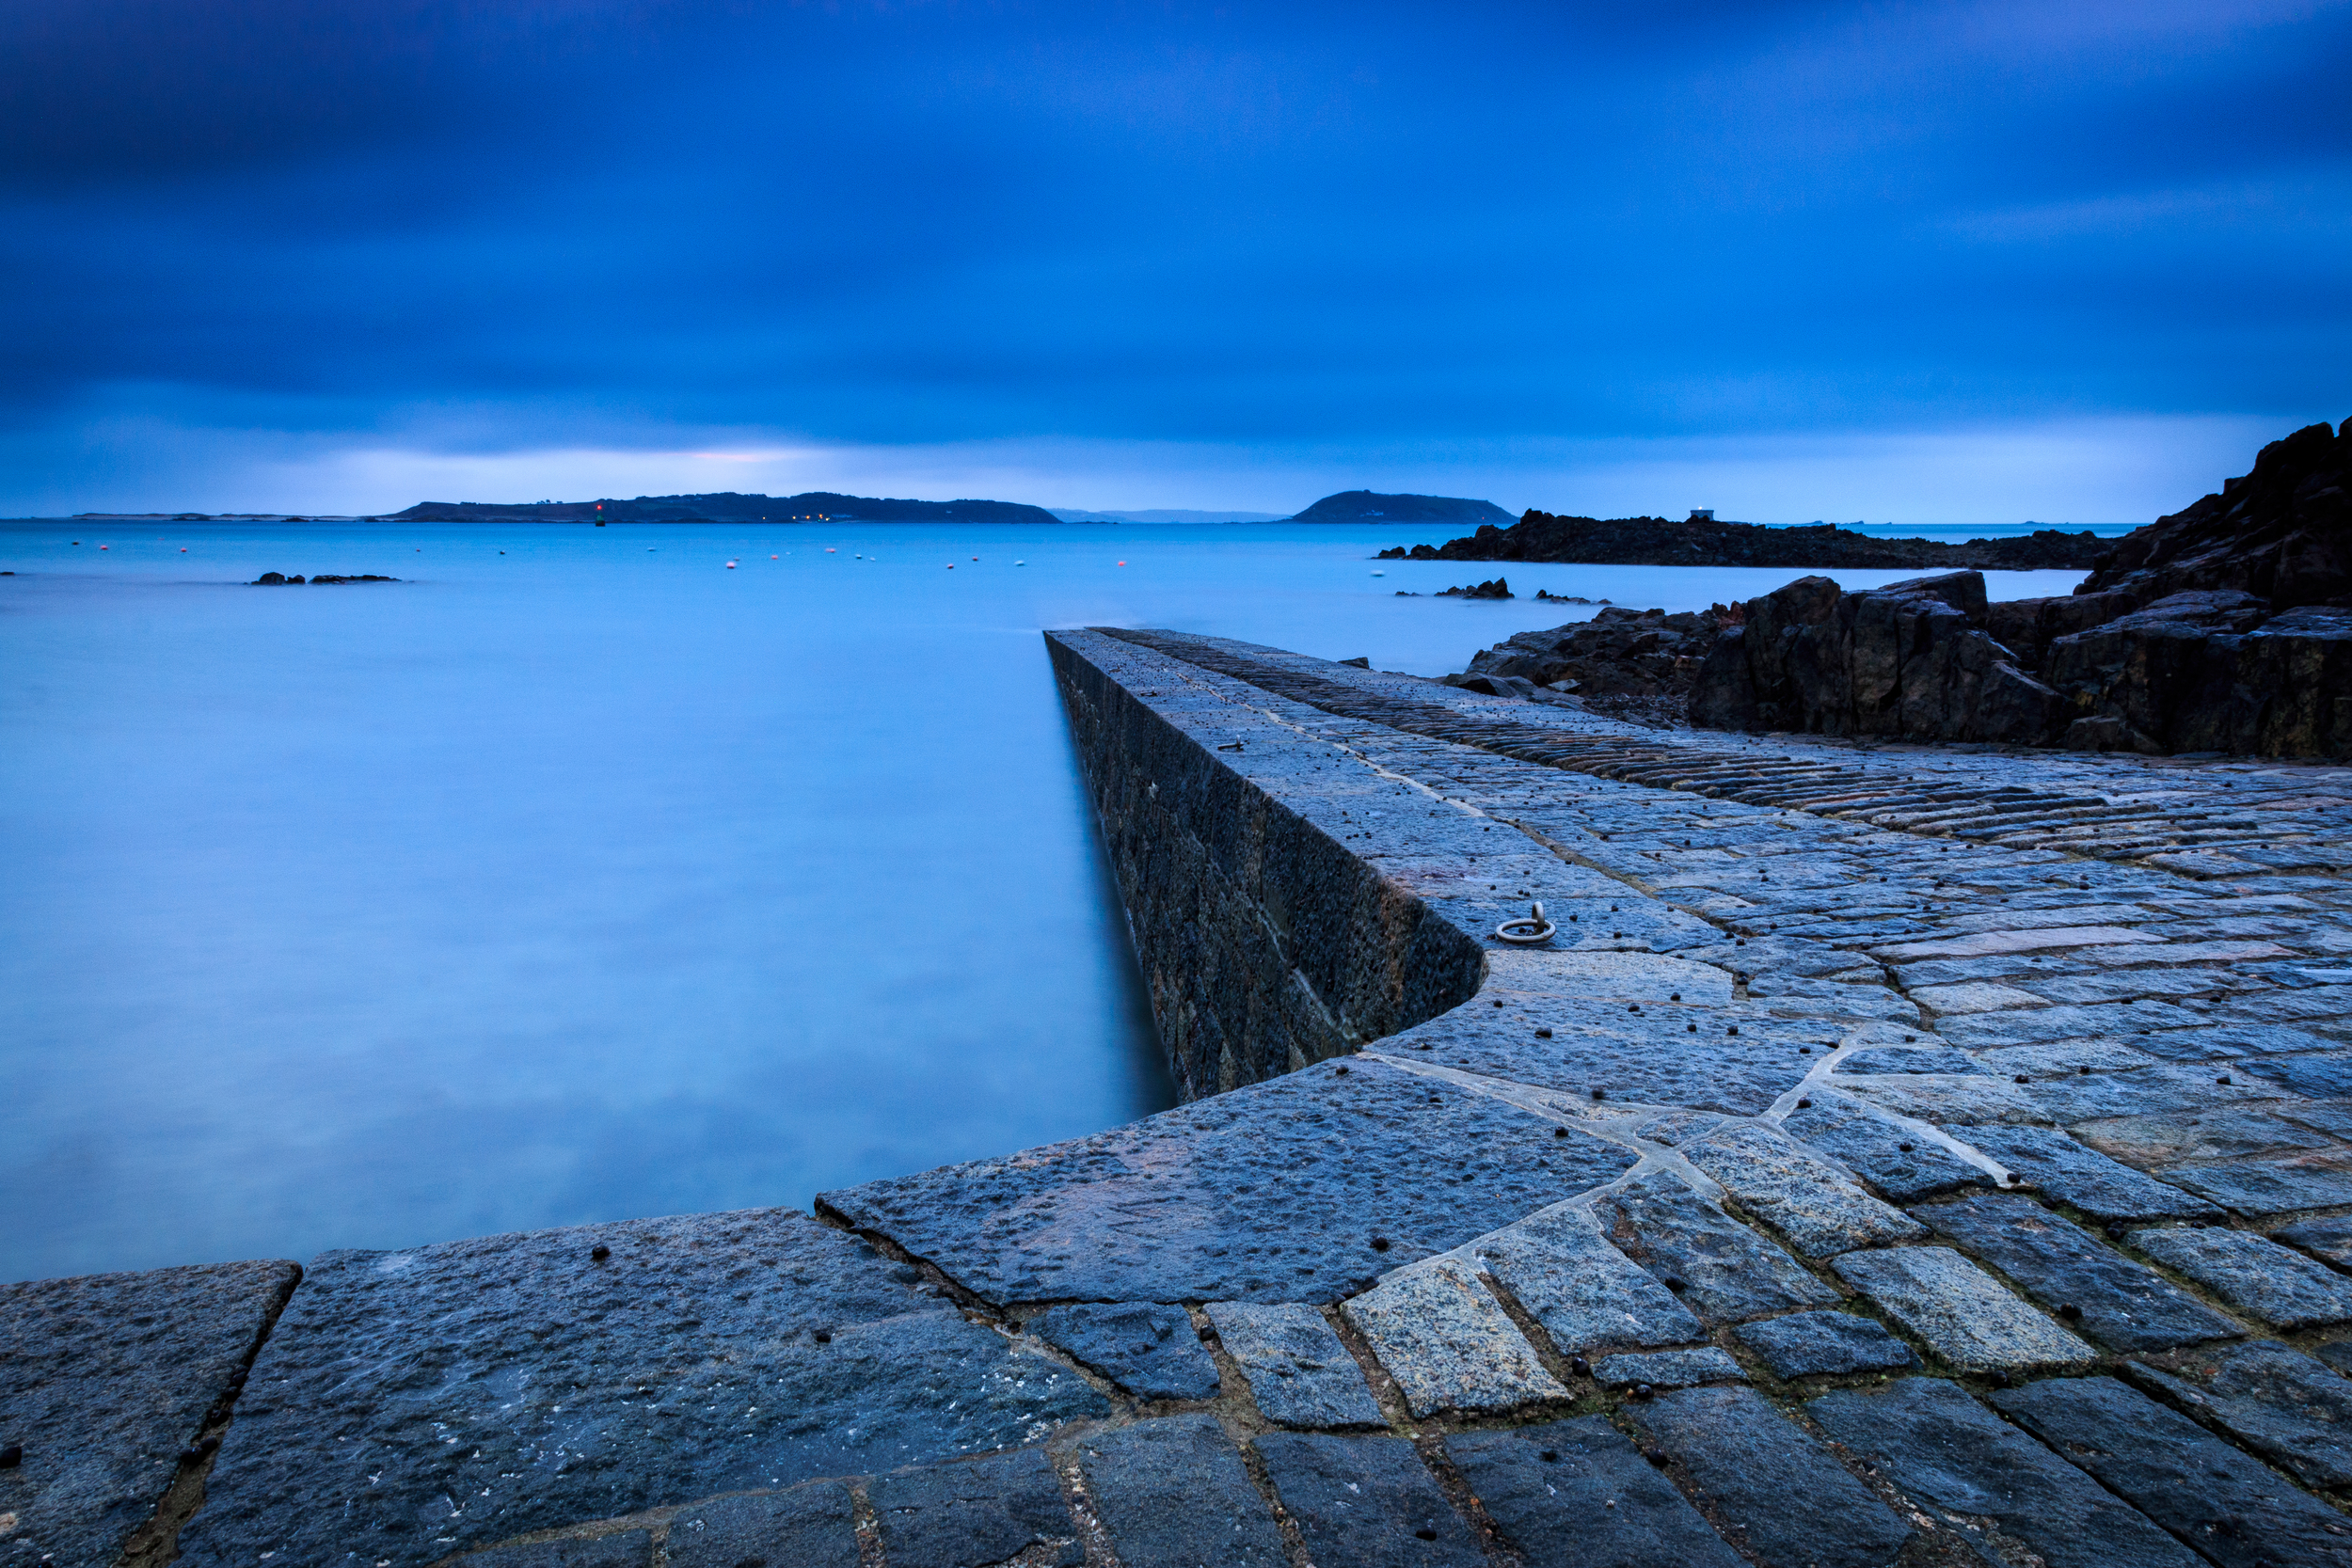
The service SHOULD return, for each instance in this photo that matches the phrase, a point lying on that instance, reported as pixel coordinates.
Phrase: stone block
(104, 1378)
(1725, 1272)
(2114, 1301)
(2223, 1133)
(1981, 944)
(620, 1549)
(2291, 1410)
(1885, 1060)
(1964, 1315)
(1972, 996)
(975, 1514)
(2325, 1075)
(1276, 1192)
(1959, 1459)
(2088, 1179)
(2329, 1239)
(1900, 1162)
(1577, 1495)
(1814, 1204)
(1749, 1465)
(411, 1405)
(1665, 1054)
(1300, 1373)
(1816, 1344)
(1584, 1292)
(2162, 1090)
(1367, 1501)
(814, 1525)
(2317, 1180)
(1448, 1342)
(2254, 1274)
(1173, 1493)
(1668, 1368)
(2241, 1512)
(1147, 1348)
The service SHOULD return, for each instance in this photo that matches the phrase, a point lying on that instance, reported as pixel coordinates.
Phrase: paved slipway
(1898, 1157)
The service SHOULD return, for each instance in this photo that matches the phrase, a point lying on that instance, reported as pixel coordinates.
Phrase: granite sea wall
(1899, 1156)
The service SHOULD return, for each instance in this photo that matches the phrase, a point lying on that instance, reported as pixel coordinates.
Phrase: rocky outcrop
(1636, 664)
(275, 579)
(1705, 542)
(2226, 627)
(1493, 588)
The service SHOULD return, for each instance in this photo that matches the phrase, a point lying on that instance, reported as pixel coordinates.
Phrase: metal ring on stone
(1524, 931)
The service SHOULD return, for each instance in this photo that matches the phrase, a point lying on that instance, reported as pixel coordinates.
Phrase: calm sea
(577, 877)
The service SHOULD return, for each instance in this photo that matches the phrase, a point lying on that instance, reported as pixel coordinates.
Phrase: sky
(1933, 263)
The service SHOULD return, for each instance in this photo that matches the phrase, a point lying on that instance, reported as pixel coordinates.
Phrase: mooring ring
(1526, 931)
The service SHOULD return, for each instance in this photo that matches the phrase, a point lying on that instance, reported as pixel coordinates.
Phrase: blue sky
(1931, 263)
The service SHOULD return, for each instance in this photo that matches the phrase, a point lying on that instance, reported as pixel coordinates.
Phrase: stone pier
(1897, 1156)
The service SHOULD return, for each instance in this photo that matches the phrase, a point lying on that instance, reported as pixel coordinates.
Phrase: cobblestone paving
(1897, 1157)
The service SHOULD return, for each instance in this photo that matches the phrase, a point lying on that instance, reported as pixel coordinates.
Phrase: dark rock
(1494, 588)
(364, 577)
(1246, 1196)
(104, 1380)
(623, 1549)
(1813, 1344)
(2287, 1407)
(1951, 1454)
(1618, 653)
(1704, 540)
(2239, 1512)
(2120, 1304)
(1366, 1500)
(714, 1352)
(271, 579)
(1495, 686)
(807, 1527)
(1147, 1348)
(1749, 1464)
(1575, 1493)
(1172, 1492)
(971, 1516)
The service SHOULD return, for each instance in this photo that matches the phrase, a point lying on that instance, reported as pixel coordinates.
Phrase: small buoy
(1122, 563)
(829, 549)
(105, 547)
(183, 549)
(1380, 574)
(730, 564)
(976, 557)
(1020, 564)
(775, 558)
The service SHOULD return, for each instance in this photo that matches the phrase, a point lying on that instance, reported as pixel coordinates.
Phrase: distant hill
(1364, 506)
(727, 506)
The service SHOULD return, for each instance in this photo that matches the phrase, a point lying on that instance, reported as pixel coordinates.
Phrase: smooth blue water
(589, 880)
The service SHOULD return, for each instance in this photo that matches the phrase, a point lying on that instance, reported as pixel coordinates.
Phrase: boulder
(1498, 588)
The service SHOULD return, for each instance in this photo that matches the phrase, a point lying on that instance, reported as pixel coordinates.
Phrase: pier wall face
(1897, 1156)
(1267, 943)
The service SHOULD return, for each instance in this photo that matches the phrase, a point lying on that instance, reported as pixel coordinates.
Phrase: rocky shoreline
(1539, 536)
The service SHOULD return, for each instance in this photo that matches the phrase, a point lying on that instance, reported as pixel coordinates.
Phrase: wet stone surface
(620, 1549)
(104, 1380)
(1810, 1344)
(1904, 1164)
(1147, 1348)
(410, 1404)
(1964, 1315)
(970, 1515)
(2287, 1407)
(1300, 1373)
(2082, 1176)
(1721, 1271)
(1816, 1204)
(2258, 1276)
(1449, 1343)
(1584, 1292)
(814, 1525)
(1173, 1493)
(1367, 1501)
(1573, 1492)
(1668, 1368)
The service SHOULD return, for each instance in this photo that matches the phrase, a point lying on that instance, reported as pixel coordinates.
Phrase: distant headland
(1365, 506)
(1701, 540)
(728, 506)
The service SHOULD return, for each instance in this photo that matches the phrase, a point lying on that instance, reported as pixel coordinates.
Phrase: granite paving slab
(2294, 1411)
(1584, 1292)
(2232, 1508)
(1365, 1501)
(1750, 1465)
(1814, 1344)
(2254, 1274)
(1668, 1368)
(1300, 1373)
(1723, 1270)
(2100, 1187)
(2317, 1180)
(1663, 1056)
(1173, 1493)
(1931, 1059)
(2322, 1076)
(1448, 1342)
(975, 1514)
(1577, 1493)
(104, 1379)
(2328, 1238)
(410, 1404)
(1814, 1204)
(1963, 1314)
(1147, 1348)
(1959, 1459)
(1256, 1194)
(2102, 1294)
(1896, 1159)
(2227, 1131)
(810, 1525)
(620, 1549)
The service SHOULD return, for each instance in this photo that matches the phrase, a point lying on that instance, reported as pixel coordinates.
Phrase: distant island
(1163, 515)
(727, 506)
(1701, 540)
(1365, 506)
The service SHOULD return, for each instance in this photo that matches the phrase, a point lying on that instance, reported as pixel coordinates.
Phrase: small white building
(1702, 514)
